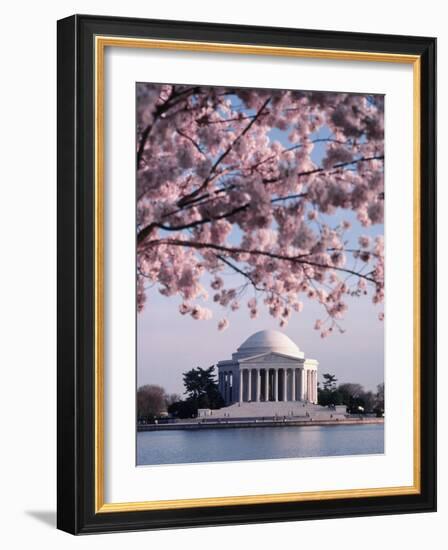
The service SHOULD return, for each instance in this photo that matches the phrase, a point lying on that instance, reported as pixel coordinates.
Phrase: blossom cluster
(229, 180)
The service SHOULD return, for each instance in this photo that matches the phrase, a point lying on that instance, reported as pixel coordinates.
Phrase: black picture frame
(76, 512)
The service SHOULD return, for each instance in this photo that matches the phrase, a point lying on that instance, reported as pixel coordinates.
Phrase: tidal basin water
(217, 445)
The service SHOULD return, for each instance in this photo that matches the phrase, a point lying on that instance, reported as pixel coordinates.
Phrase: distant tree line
(201, 390)
(350, 394)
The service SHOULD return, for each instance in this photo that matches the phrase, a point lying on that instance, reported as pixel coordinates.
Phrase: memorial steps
(277, 409)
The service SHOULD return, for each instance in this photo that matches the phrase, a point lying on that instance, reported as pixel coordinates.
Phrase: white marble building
(268, 367)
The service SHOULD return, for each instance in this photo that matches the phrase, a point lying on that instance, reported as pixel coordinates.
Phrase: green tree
(352, 395)
(328, 394)
(329, 381)
(183, 409)
(379, 400)
(202, 392)
(202, 388)
(369, 400)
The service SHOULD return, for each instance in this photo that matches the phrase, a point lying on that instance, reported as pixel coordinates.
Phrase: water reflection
(217, 445)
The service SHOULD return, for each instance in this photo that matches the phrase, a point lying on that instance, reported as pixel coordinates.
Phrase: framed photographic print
(246, 274)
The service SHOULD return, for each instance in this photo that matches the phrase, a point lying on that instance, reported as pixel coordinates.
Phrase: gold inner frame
(101, 42)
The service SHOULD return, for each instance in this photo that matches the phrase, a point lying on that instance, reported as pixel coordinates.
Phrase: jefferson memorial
(269, 377)
(268, 366)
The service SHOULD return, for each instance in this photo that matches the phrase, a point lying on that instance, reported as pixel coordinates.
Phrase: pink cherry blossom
(198, 312)
(223, 324)
(364, 241)
(232, 197)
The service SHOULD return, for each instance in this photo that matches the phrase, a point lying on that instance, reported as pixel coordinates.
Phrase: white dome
(266, 341)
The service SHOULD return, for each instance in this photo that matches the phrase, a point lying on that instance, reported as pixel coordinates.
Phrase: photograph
(260, 273)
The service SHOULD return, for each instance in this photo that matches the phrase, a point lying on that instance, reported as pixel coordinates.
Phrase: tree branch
(185, 200)
(332, 170)
(147, 230)
(236, 250)
(191, 140)
(211, 196)
(168, 104)
(240, 271)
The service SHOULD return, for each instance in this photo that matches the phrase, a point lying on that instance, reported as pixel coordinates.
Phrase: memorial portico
(268, 366)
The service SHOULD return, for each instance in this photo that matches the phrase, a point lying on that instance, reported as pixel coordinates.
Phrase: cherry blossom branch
(184, 200)
(332, 170)
(145, 134)
(191, 140)
(187, 204)
(147, 230)
(294, 147)
(289, 197)
(327, 309)
(209, 171)
(143, 233)
(201, 122)
(240, 271)
(329, 171)
(178, 96)
(236, 250)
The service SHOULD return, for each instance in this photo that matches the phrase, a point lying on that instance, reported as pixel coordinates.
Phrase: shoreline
(256, 423)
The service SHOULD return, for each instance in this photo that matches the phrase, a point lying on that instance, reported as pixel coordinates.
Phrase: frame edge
(67, 457)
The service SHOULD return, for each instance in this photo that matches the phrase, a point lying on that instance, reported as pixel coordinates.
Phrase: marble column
(310, 389)
(293, 384)
(241, 386)
(303, 384)
(285, 379)
(266, 385)
(258, 380)
(298, 384)
(276, 385)
(249, 384)
(311, 386)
